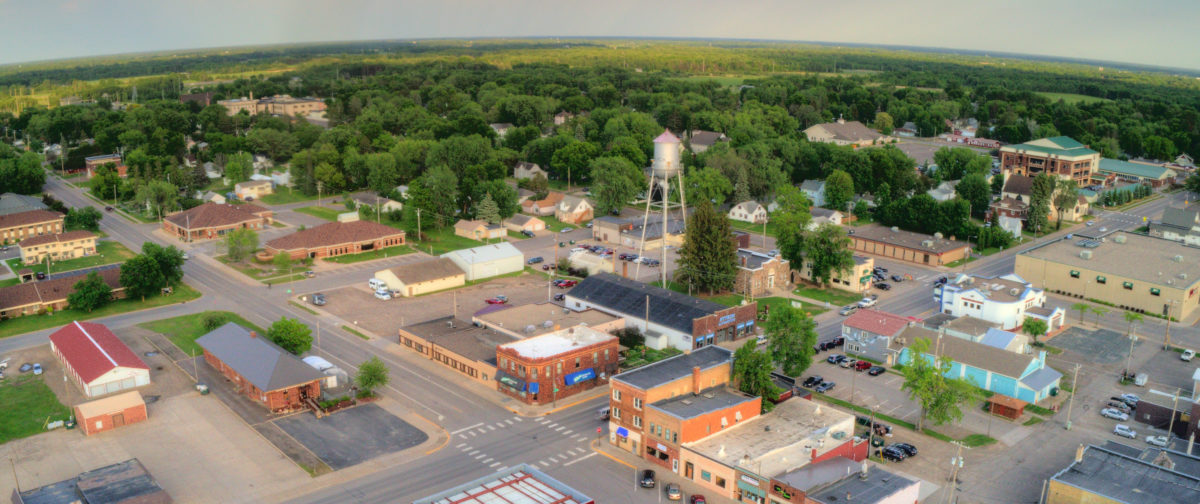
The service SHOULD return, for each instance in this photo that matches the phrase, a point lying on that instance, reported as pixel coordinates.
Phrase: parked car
(383, 294)
(548, 267)
(883, 286)
(108, 209)
(876, 370)
(839, 341)
(1124, 431)
(647, 480)
(673, 492)
(848, 310)
(1187, 355)
(1131, 399)
(941, 281)
(310, 273)
(41, 275)
(1124, 408)
(26, 367)
(697, 499)
(908, 449)
(897, 278)
(835, 359)
(37, 368)
(880, 269)
(848, 363)
(1103, 229)
(824, 387)
(893, 454)
(567, 230)
(867, 302)
(318, 299)
(828, 345)
(862, 365)
(185, 256)
(527, 233)
(1159, 441)
(568, 284)
(1114, 414)
(812, 381)
(560, 296)
(496, 300)
(1091, 223)
(535, 260)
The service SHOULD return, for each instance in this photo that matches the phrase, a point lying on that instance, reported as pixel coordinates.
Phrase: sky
(1153, 32)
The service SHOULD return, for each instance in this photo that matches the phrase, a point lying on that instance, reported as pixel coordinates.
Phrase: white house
(488, 260)
(1004, 300)
(748, 211)
(527, 170)
(815, 190)
(501, 129)
(944, 191)
(824, 216)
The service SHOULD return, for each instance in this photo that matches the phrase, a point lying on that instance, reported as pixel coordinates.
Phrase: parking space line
(472, 433)
(519, 419)
(559, 428)
(509, 421)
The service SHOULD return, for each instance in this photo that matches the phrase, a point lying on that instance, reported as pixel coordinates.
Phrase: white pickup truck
(867, 302)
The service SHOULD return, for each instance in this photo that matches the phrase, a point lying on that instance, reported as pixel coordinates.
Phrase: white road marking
(486, 460)
(472, 452)
(494, 464)
(480, 430)
(519, 419)
(559, 428)
(544, 464)
(580, 459)
(552, 424)
(509, 421)
(490, 428)
(481, 455)
(460, 445)
(467, 428)
(472, 433)
(463, 436)
(567, 432)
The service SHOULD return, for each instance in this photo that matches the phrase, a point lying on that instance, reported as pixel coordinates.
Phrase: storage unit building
(488, 261)
(97, 360)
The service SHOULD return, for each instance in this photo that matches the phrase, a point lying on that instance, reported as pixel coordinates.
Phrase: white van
(376, 284)
(383, 294)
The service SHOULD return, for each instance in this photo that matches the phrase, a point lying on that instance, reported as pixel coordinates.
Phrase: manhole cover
(150, 354)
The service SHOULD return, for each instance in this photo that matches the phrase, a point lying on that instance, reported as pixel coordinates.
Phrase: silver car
(1159, 441)
(1124, 431)
(1114, 414)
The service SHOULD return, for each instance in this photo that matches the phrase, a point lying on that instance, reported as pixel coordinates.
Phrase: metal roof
(485, 253)
(612, 293)
(260, 362)
(707, 401)
(877, 486)
(1122, 478)
(1139, 170)
(522, 484)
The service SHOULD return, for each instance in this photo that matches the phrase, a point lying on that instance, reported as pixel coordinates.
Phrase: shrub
(212, 321)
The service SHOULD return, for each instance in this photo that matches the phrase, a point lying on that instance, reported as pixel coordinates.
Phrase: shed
(97, 360)
(488, 261)
(111, 412)
(1005, 406)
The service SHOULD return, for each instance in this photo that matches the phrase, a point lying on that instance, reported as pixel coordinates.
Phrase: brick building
(32, 298)
(58, 247)
(281, 105)
(526, 321)
(91, 163)
(692, 416)
(758, 273)
(214, 220)
(665, 317)
(110, 412)
(633, 391)
(336, 238)
(18, 226)
(459, 345)
(895, 243)
(556, 365)
(1061, 156)
(260, 370)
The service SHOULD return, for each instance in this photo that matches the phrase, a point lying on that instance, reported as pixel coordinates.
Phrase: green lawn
(1071, 98)
(28, 323)
(755, 230)
(554, 225)
(31, 404)
(183, 330)
(9, 282)
(516, 235)
(293, 196)
(833, 296)
(107, 252)
(251, 269)
(443, 240)
(647, 356)
(774, 302)
(955, 264)
(321, 212)
(371, 254)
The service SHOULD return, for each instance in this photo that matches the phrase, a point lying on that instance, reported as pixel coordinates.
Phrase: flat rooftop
(543, 317)
(558, 342)
(674, 368)
(877, 486)
(781, 440)
(1143, 258)
(707, 401)
(1123, 478)
(521, 484)
(998, 288)
(461, 337)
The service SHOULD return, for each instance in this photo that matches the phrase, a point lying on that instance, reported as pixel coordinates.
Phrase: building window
(605, 355)
(616, 413)
(616, 395)
(668, 435)
(533, 374)
(705, 475)
(676, 438)
(595, 358)
(720, 482)
(558, 367)
(577, 363)
(637, 403)
(1074, 274)
(637, 421)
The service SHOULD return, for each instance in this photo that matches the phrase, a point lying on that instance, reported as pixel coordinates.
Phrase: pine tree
(488, 210)
(741, 189)
(708, 257)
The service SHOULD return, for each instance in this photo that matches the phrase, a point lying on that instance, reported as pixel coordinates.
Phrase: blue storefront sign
(623, 432)
(533, 388)
(727, 319)
(576, 377)
(510, 381)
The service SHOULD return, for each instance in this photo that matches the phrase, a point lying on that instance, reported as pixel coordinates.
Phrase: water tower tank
(666, 155)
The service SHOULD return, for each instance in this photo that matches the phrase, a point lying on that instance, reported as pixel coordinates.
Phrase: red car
(697, 499)
(862, 365)
(566, 284)
(497, 300)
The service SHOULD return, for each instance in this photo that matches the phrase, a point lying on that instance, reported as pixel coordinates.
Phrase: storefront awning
(623, 432)
(751, 489)
(576, 377)
(533, 388)
(510, 380)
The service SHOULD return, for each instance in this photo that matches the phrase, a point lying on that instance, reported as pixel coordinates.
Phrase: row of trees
(145, 274)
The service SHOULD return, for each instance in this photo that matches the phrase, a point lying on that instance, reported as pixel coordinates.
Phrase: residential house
(758, 273)
(422, 277)
(527, 170)
(261, 371)
(97, 361)
(844, 132)
(212, 197)
(749, 211)
(700, 140)
(1178, 224)
(11, 203)
(31, 298)
(212, 220)
(1005, 300)
(376, 202)
(543, 207)
(58, 247)
(858, 279)
(15, 227)
(869, 333)
(666, 318)
(479, 230)
(815, 191)
(487, 261)
(501, 129)
(521, 222)
(1061, 156)
(908, 130)
(822, 216)
(336, 238)
(896, 243)
(630, 233)
(556, 365)
(91, 163)
(573, 210)
(944, 191)
(254, 189)
(1021, 376)
(1185, 160)
(561, 118)
(1020, 189)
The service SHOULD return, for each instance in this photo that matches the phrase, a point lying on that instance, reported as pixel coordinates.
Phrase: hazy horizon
(1152, 32)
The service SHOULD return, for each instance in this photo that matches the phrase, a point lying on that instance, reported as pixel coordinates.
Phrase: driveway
(350, 437)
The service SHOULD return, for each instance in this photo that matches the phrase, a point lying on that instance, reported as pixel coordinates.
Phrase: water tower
(665, 170)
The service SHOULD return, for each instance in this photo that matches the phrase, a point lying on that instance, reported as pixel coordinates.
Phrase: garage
(98, 361)
(110, 412)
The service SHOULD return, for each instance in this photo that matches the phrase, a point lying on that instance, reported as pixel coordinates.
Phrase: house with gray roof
(815, 191)
(1021, 376)
(843, 132)
(11, 203)
(261, 371)
(1178, 224)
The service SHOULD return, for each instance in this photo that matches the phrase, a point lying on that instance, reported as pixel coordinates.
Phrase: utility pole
(1071, 400)
(1167, 339)
(1174, 408)
(418, 224)
(319, 186)
(956, 464)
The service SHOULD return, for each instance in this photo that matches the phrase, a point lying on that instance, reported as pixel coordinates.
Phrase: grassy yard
(321, 212)
(31, 403)
(252, 268)
(183, 330)
(772, 302)
(21, 325)
(649, 355)
(755, 230)
(516, 235)
(107, 252)
(293, 196)
(554, 225)
(371, 254)
(833, 296)
(442, 241)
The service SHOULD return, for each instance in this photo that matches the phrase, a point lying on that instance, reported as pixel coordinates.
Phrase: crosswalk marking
(481, 455)
(486, 460)
(472, 452)
(544, 464)
(494, 464)
(460, 445)
(472, 433)
(567, 432)
(490, 428)
(509, 421)
(519, 419)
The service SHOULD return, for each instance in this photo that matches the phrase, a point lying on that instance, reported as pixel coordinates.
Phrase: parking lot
(350, 437)
(357, 303)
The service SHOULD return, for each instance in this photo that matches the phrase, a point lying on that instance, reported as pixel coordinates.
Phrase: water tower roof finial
(666, 137)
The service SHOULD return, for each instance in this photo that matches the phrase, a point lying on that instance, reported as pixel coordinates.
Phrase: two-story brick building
(557, 365)
(758, 273)
(1061, 156)
(693, 416)
(18, 226)
(633, 391)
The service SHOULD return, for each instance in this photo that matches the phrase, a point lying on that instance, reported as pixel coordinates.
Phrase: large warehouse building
(97, 360)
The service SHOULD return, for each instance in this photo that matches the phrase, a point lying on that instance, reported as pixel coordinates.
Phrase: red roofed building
(97, 360)
(868, 334)
(336, 238)
(213, 220)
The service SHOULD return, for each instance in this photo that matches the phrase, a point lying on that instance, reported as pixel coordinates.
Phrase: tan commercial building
(213, 220)
(283, 105)
(253, 189)
(1061, 156)
(422, 277)
(479, 230)
(457, 344)
(58, 247)
(858, 279)
(895, 243)
(845, 132)
(530, 320)
(18, 226)
(336, 238)
(1133, 272)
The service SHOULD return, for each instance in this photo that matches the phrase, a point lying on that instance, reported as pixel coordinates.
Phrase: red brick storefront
(336, 238)
(570, 360)
(285, 399)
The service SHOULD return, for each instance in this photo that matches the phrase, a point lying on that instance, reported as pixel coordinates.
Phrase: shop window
(719, 481)
(705, 475)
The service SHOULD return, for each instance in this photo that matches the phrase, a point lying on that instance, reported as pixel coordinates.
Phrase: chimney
(695, 380)
(743, 261)
(1079, 454)
(253, 334)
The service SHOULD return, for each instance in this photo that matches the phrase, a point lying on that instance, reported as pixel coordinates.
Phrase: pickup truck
(867, 302)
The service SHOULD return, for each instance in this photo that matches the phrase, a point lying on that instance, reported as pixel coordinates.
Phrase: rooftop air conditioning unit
(1177, 258)
(927, 243)
(1014, 291)
(1119, 238)
(1085, 254)
(1183, 276)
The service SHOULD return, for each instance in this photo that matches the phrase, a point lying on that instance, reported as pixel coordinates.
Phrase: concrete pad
(352, 436)
(1102, 346)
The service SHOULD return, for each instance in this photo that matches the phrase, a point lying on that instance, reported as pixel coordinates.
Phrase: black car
(824, 386)
(647, 480)
(812, 381)
(828, 345)
(897, 278)
(876, 370)
(839, 341)
(817, 348)
(835, 359)
(41, 275)
(941, 281)
(527, 232)
(909, 450)
(893, 454)
(880, 269)
(560, 296)
(883, 287)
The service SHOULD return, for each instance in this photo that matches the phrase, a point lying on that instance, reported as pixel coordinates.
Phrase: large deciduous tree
(240, 244)
(169, 260)
(827, 248)
(291, 335)
(954, 163)
(372, 374)
(752, 372)
(839, 190)
(90, 293)
(942, 399)
(141, 276)
(707, 184)
(615, 181)
(792, 336)
(434, 195)
(791, 218)
(975, 190)
(1066, 197)
(708, 257)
